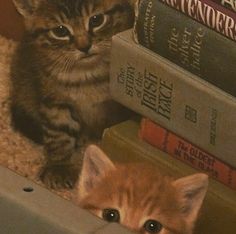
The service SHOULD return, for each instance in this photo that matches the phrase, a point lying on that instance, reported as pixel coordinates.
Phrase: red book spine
(187, 152)
(209, 13)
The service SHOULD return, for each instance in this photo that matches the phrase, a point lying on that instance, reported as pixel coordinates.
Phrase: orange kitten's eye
(152, 226)
(111, 215)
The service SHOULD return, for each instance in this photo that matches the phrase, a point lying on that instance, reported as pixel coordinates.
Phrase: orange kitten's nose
(131, 221)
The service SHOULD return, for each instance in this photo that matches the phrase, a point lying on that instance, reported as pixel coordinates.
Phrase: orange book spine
(187, 152)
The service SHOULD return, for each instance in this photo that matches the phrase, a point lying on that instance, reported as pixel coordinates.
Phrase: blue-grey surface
(42, 212)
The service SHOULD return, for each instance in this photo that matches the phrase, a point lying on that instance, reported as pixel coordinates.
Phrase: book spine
(187, 43)
(208, 13)
(178, 100)
(187, 152)
(229, 4)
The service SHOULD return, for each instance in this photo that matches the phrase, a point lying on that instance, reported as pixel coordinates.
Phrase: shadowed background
(11, 23)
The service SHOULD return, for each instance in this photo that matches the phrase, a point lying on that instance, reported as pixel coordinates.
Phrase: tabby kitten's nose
(85, 49)
(83, 44)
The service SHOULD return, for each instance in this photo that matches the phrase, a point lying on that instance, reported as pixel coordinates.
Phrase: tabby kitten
(138, 196)
(60, 75)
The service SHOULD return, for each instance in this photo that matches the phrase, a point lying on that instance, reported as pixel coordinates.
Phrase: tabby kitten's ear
(95, 166)
(191, 191)
(26, 7)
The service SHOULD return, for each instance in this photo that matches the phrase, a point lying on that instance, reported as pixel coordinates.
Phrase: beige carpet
(16, 152)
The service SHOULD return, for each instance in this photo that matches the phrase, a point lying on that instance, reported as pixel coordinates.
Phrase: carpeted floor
(16, 152)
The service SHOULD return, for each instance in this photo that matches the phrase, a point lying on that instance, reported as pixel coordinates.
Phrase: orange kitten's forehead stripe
(139, 193)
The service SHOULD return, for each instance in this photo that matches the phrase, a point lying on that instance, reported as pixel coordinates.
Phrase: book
(218, 213)
(229, 4)
(187, 43)
(209, 13)
(173, 97)
(187, 152)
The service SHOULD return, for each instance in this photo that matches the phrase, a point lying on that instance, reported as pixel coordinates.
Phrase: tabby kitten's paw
(59, 176)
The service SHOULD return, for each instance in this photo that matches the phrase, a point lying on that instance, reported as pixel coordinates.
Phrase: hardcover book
(229, 4)
(187, 43)
(208, 13)
(187, 152)
(173, 97)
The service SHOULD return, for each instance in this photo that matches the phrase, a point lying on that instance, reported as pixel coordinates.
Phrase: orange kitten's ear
(96, 164)
(26, 7)
(191, 191)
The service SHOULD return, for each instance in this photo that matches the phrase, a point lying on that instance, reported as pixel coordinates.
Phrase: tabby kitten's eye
(97, 21)
(61, 32)
(111, 215)
(152, 226)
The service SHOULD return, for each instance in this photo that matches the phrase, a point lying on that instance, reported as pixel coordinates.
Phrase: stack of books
(176, 69)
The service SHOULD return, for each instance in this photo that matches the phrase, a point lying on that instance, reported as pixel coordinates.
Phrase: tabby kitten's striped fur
(138, 196)
(60, 77)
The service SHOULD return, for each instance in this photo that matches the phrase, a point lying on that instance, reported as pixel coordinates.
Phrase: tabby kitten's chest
(89, 103)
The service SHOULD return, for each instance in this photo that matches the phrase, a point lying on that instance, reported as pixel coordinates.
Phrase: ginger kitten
(139, 197)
